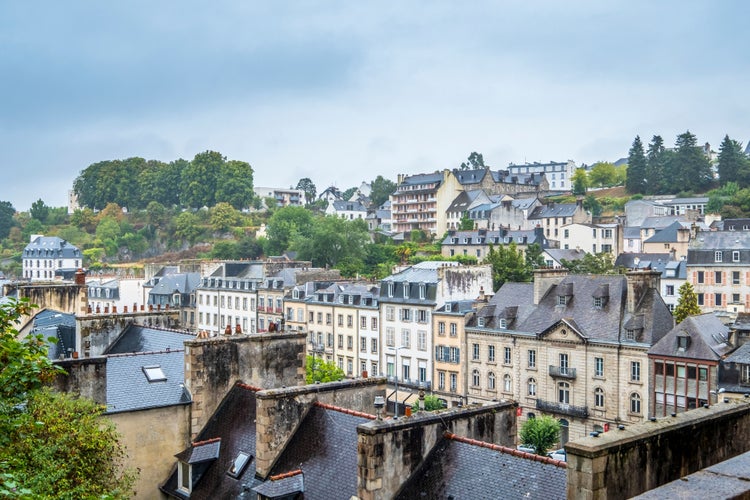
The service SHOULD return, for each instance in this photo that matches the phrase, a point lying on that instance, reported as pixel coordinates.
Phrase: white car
(528, 448)
(558, 455)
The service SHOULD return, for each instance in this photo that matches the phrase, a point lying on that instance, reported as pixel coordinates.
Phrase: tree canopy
(600, 263)
(508, 264)
(542, 432)
(320, 370)
(308, 187)
(475, 161)
(636, 178)
(687, 303)
(380, 189)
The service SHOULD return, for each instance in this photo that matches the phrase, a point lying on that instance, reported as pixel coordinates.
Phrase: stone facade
(85, 377)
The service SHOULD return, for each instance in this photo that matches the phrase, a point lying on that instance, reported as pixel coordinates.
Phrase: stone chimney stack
(639, 282)
(544, 279)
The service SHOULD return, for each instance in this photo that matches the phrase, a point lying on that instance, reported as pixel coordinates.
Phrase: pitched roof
(666, 235)
(234, 423)
(55, 324)
(325, 448)
(645, 260)
(721, 240)
(709, 339)
(128, 387)
(458, 469)
(136, 338)
(470, 176)
(51, 247)
(417, 179)
(171, 283)
(554, 210)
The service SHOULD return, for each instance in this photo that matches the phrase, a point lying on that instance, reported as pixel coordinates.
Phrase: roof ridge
(206, 441)
(505, 449)
(249, 387)
(141, 353)
(345, 410)
(285, 475)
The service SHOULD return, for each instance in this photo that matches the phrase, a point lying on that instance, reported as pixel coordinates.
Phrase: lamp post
(395, 413)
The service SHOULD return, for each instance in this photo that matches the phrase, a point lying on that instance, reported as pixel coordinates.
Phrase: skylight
(154, 373)
(239, 464)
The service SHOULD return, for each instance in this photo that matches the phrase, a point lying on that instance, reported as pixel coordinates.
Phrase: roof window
(239, 464)
(154, 373)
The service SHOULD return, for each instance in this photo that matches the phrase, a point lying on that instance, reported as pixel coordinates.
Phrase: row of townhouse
(571, 346)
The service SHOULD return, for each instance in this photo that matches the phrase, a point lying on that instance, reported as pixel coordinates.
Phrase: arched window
(532, 387)
(507, 383)
(475, 378)
(599, 397)
(635, 403)
(563, 393)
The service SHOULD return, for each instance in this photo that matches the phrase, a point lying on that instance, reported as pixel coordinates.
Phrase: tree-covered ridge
(206, 180)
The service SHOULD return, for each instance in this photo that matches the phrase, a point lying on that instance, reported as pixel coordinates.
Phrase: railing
(410, 384)
(562, 408)
(562, 372)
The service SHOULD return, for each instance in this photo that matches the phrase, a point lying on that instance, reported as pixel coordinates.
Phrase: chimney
(544, 279)
(80, 277)
(639, 282)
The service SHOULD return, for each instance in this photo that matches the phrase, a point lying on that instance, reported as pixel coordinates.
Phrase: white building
(46, 257)
(558, 173)
(592, 238)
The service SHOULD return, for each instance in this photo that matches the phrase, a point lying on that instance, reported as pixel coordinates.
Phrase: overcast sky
(344, 91)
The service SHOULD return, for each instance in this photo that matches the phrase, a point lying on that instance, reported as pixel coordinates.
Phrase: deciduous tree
(308, 187)
(380, 189)
(541, 432)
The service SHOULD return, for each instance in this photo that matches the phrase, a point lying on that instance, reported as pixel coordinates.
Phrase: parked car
(528, 448)
(558, 455)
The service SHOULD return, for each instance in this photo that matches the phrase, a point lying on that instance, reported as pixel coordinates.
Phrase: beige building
(421, 202)
(449, 339)
(573, 346)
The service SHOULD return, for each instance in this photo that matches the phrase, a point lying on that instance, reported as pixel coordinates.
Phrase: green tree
(333, 240)
(690, 167)
(687, 303)
(285, 225)
(542, 432)
(320, 370)
(348, 193)
(6, 218)
(380, 190)
(603, 174)
(533, 256)
(431, 403)
(51, 445)
(308, 187)
(84, 219)
(187, 227)
(508, 264)
(475, 161)
(224, 250)
(657, 158)
(592, 204)
(198, 183)
(234, 184)
(635, 182)
(733, 164)
(466, 224)
(580, 181)
(39, 210)
(600, 263)
(156, 214)
(224, 216)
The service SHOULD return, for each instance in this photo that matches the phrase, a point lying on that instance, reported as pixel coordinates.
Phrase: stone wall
(68, 298)
(96, 332)
(390, 451)
(624, 463)
(85, 377)
(281, 411)
(212, 366)
(152, 438)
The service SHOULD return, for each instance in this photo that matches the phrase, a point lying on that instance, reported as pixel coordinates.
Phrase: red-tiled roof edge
(207, 441)
(345, 410)
(249, 387)
(285, 475)
(505, 449)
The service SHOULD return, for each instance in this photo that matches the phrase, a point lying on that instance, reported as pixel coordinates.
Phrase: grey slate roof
(741, 355)
(499, 237)
(51, 247)
(415, 180)
(460, 470)
(136, 338)
(470, 176)
(182, 283)
(282, 488)
(554, 210)
(58, 325)
(708, 339)
(128, 388)
(558, 254)
(666, 235)
(234, 423)
(721, 240)
(631, 232)
(348, 206)
(325, 448)
(661, 222)
(513, 302)
(645, 260)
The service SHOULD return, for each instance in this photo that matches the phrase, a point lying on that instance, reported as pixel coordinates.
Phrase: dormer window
(422, 291)
(406, 290)
(683, 342)
(562, 300)
(448, 307)
(390, 289)
(630, 334)
(480, 322)
(718, 256)
(184, 477)
(599, 302)
(295, 294)
(503, 323)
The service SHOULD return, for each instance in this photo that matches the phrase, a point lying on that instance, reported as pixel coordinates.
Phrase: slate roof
(463, 201)
(128, 388)
(51, 247)
(523, 203)
(325, 448)
(645, 260)
(499, 237)
(456, 469)
(721, 240)
(741, 355)
(423, 272)
(470, 176)
(631, 232)
(558, 254)
(742, 322)
(513, 302)
(281, 488)
(666, 235)
(182, 283)
(506, 177)
(418, 179)
(59, 325)
(136, 338)
(554, 210)
(348, 206)
(234, 423)
(708, 339)
(661, 222)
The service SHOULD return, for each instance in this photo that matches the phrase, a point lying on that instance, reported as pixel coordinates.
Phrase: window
(422, 316)
(374, 346)
(598, 302)
(363, 345)
(531, 387)
(320, 318)
(454, 355)
(454, 381)
(154, 373)
(311, 317)
(564, 364)
(441, 380)
(735, 256)
(341, 319)
(363, 323)
(507, 383)
(329, 318)
(744, 374)
(563, 393)
(422, 372)
(329, 339)
(735, 277)
(598, 367)
(405, 314)
(374, 324)
(701, 278)
(406, 338)
(441, 328)
(480, 322)
(599, 397)
(475, 378)
(507, 356)
(454, 330)
(562, 300)
(422, 340)
(491, 353)
(635, 403)
(491, 381)
(350, 321)
(718, 256)
(390, 337)
(390, 289)
(566, 233)
(184, 480)
(635, 371)
(475, 352)
(341, 341)
(670, 290)
(608, 233)
(736, 298)
(717, 277)
(389, 313)
(700, 299)
(349, 367)
(238, 465)
(421, 291)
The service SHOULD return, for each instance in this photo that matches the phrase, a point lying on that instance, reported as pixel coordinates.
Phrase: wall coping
(421, 419)
(253, 337)
(95, 360)
(298, 390)
(631, 435)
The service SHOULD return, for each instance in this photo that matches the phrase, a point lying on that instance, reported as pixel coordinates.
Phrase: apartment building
(558, 174)
(46, 258)
(227, 299)
(553, 216)
(574, 347)
(717, 267)
(477, 243)
(421, 201)
(593, 238)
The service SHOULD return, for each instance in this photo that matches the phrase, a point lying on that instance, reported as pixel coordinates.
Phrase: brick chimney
(639, 282)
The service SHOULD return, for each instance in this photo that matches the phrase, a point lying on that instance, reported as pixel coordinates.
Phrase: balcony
(410, 384)
(562, 372)
(562, 408)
